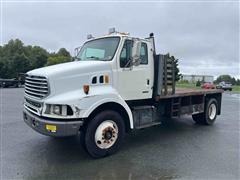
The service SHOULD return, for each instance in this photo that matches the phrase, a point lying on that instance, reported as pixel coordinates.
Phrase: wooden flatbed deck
(181, 92)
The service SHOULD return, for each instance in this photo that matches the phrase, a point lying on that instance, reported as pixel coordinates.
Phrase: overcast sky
(204, 36)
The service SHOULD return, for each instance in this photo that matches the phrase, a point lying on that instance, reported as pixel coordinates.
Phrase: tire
(209, 115)
(104, 134)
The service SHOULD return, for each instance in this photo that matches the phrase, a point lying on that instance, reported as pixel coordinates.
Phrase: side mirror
(76, 51)
(136, 52)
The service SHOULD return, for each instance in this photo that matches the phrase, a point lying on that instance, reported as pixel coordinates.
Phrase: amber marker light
(106, 79)
(86, 89)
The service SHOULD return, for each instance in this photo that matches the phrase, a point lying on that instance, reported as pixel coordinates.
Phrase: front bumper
(63, 128)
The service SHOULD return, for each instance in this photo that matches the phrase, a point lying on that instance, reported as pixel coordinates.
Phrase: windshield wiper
(97, 58)
(93, 57)
(78, 58)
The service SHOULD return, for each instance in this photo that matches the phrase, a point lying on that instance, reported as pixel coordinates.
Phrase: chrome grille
(36, 86)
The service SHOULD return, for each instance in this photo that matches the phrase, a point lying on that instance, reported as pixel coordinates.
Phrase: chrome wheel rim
(106, 134)
(212, 111)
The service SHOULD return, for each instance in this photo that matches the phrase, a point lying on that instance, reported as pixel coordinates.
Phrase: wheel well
(218, 97)
(115, 107)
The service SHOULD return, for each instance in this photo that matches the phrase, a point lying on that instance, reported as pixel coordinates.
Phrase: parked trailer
(14, 82)
(4, 83)
(117, 84)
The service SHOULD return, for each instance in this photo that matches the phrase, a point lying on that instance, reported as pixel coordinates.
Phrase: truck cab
(117, 50)
(113, 86)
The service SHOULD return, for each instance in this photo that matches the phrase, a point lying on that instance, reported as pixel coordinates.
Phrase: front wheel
(208, 117)
(104, 134)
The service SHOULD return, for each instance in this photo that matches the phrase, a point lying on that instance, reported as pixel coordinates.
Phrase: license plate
(51, 128)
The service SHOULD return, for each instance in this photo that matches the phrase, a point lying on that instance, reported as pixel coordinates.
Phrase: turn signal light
(106, 79)
(86, 89)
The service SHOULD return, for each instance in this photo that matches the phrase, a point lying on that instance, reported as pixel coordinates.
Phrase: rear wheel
(208, 117)
(103, 135)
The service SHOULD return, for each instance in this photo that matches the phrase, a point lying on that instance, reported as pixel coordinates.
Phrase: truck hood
(71, 68)
(72, 76)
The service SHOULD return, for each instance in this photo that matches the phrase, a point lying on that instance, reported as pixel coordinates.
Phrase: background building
(195, 78)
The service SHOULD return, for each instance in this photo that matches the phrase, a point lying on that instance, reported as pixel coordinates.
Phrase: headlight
(57, 109)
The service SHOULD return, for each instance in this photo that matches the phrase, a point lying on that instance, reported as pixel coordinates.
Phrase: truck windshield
(99, 49)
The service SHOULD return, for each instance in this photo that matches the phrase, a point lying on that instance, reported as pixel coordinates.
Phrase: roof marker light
(89, 36)
(111, 30)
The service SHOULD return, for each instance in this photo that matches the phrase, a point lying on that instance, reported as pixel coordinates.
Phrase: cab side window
(144, 54)
(126, 54)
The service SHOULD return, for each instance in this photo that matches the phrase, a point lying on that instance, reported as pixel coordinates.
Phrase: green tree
(61, 56)
(198, 83)
(57, 60)
(20, 63)
(3, 68)
(63, 52)
(17, 58)
(238, 82)
(8, 55)
(177, 71)
(13, 47)
(39, 57)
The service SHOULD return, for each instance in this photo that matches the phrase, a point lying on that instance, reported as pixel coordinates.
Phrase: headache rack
(164, 73)
(36, 86)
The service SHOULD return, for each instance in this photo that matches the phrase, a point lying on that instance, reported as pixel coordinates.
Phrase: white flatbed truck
(116, 84)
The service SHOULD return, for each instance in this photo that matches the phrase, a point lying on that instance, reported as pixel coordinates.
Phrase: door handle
(148, 81)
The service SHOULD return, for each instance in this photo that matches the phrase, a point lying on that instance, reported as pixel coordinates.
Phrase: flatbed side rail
(189, 92)
(189, 101)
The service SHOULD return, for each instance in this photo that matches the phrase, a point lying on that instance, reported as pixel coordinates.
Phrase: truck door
(134, 82)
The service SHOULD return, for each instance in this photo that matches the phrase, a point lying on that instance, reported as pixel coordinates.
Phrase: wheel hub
(106, 134)
(212, 111)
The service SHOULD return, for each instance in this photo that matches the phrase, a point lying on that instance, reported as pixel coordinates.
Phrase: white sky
(204, 36)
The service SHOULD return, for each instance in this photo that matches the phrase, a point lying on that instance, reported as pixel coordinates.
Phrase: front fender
(83, 105)
(108, 99)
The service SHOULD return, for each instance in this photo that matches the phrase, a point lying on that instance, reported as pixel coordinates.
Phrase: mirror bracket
(136, 52)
